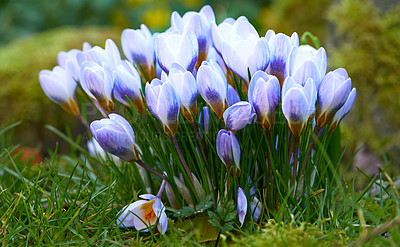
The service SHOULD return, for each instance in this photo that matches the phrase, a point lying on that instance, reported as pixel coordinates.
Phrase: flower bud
(298, 103)
(239, 115)
(164, 104)
(186, 86)
(213, 86)
(177, 48)
(115, 135)
(228, 148)
(60, 87)
(332, 94)
(264, 95)
(241, 205)
(138, 47)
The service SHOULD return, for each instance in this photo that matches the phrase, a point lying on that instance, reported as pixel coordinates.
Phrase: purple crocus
(264, 96)
(228, 148)
(239, 115)
(115, 135)
(164, 104)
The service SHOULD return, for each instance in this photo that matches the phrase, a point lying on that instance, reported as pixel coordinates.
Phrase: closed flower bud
(242, 48)
(115, 135)
(97, 82)
(143, 214)
(164, 104)
(138, 47)
(232, 96)
(127, 85)
(307, 62)
(68, 61)
(239, 115)
(177, 48)
(332, 94)
(97, 151)
(343, 110)
(298, 103)
(228, 148)
(280, 46)
(256, 208)
(186, 86)
(204, 119)
(199, 24)
(264, 96)
(241, 205)
(60, 87)
(213, 86)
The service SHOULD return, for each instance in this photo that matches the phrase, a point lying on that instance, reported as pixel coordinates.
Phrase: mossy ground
(21, 97)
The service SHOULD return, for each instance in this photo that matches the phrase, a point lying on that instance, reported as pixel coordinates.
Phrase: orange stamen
(149, 212)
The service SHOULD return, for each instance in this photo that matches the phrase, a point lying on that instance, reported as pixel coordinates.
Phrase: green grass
(69, 200)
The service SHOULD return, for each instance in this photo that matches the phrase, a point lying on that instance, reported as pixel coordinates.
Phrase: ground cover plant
(205, 133)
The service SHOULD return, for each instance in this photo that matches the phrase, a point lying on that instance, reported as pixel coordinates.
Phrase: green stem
(178, 149)
(151, 170)
(303, 168)
(296, 154)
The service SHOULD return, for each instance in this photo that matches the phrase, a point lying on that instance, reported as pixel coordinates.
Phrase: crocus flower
(343, 110)
(280, 46)
(264, 96)
(213, 86)
(68, 61)
(127, 84)
(228, 148)
(204, 119)
(222, 32)
(60, 87)
(242, 48)
(241, 205)
(138, 47)
(109, 56)
(298, 103)
(97, 82)
(239, 115)
(97, 151)
(164, 104)
(177, 48)
(256, 208)
(199, 24)
(115, 135)
(143, 214)
(232, 96)
(332, 94)
(186, 86)
(307, 62)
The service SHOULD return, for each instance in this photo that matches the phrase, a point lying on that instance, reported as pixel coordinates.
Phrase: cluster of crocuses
(241, 76)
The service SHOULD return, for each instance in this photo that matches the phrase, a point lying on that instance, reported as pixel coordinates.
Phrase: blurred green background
(362, 36)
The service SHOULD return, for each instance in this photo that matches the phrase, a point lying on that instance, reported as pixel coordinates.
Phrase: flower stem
(83, 121)
(296, 158)
(162, 188)
(271, 179)
(303, 168)
(178, 149)
(101, 110)
(201, 150)
(151, 170)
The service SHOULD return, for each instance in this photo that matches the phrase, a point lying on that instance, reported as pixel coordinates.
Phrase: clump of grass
(74, 200)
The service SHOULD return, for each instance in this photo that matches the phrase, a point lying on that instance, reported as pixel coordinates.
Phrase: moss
(368, 47)
(272, 234)
(21, 97)
(288, 16)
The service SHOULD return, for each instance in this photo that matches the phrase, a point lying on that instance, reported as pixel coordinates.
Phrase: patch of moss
(367, 45)
(273, 234)
(288, 16)
(21, 97)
